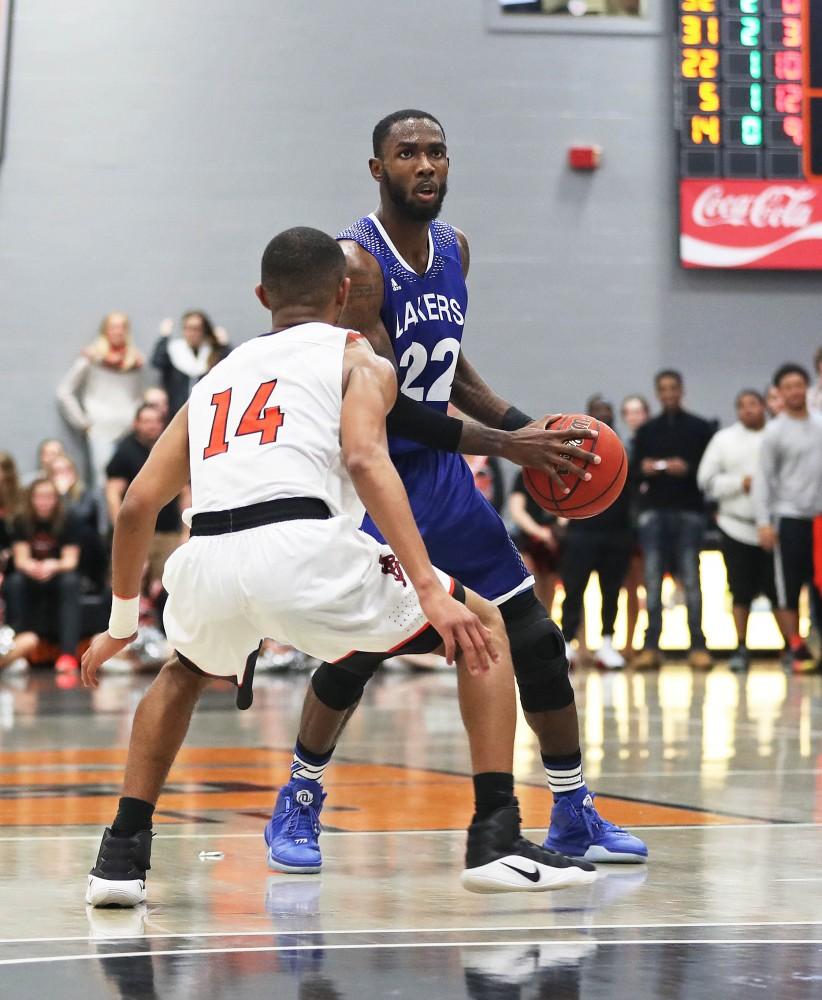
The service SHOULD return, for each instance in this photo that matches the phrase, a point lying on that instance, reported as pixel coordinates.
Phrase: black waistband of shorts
(223, 522)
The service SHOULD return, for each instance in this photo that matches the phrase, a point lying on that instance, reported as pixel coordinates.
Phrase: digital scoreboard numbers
(749, 117)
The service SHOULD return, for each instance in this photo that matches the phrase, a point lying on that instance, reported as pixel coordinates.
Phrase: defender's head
(303, 274)
(410, 163)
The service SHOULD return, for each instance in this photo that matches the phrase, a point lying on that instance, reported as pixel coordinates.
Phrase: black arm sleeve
(514, 419)
(412, 420)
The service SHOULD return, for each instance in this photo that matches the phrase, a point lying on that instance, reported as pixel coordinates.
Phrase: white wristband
(125, 614)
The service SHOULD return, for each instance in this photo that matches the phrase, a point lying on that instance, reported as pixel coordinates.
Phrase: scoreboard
(749, 118)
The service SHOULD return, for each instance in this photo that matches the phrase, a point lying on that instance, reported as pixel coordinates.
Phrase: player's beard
(411, 209)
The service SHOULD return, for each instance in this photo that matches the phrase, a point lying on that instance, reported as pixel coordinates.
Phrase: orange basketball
(607, 479)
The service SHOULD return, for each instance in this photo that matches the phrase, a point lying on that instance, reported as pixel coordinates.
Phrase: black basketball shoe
(119, 877)
(499, 859)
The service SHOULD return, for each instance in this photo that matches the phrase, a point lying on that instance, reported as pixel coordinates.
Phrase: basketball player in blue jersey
(409, 298)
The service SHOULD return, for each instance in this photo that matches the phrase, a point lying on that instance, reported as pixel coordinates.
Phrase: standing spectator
(182, 361)
(487, 473)
(128, 459)
(600, 544)
(539, 540)
(726, 473)
(773, 401)
(44, 587)
(815, 391)
(667, 453)
(634, 412)
(787, 497)
(99, 393)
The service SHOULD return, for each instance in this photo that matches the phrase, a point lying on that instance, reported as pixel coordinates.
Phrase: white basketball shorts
(323, 586)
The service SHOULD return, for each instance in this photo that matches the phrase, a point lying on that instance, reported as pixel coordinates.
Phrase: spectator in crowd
(158, 398)
(773, 401)
(128, 459)
(487, 473)
(15, 649)
(99, 393)
(787, 498)
(182, 361)
(539, 540)
(47, 451)
(43, 589)
(666, 455)
(600, 544)
(726, 473)
(82, 504)
(815, 391)
(634, 412)
(11, 494)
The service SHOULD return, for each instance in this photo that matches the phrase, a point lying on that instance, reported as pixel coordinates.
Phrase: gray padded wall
(153, 147)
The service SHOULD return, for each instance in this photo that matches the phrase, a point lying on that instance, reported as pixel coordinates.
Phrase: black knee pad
(340, 685)
(538, 652)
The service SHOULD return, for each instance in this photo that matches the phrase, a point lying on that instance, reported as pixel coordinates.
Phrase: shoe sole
(107, 892)
(496, 876)
(602, 856)
(281, 866)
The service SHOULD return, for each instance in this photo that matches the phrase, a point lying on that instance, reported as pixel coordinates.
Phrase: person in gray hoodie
(726, 474)
(787, 497)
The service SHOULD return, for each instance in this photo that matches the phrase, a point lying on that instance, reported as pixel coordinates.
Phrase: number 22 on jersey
(259, 418)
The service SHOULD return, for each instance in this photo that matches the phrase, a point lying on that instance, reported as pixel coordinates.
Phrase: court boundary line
(412, 930)
(396, 945)
(160, 835)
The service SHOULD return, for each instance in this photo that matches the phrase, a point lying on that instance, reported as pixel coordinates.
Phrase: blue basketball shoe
(293, 832)
(579, 831)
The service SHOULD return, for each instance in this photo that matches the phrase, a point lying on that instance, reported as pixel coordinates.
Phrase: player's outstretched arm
(161, 479)
(369, 390)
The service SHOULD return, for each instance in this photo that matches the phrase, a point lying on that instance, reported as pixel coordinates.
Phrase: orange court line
(417, 799)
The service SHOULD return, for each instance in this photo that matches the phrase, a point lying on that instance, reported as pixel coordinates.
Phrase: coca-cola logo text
(776, 207)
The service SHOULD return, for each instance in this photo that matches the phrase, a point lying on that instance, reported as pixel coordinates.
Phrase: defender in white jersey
(279, 441)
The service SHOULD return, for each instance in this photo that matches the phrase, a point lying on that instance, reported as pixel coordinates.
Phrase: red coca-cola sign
(751, 224)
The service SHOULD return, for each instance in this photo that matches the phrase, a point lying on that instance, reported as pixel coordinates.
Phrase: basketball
(587, 498)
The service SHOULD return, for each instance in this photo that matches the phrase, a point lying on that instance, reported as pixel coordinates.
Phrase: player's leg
(159, 728)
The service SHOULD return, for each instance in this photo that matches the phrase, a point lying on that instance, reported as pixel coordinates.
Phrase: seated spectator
(634, 412)
(47, 451)
(539, 540)
(666, 455)
(726, 473)
(129, 457)
(787, 495)
(82, 504)
(99, 393)
(11, 504)
(15, 649)
(815, 391)
(158, 398)
(600, 544)
(42, 594)
(182, 361)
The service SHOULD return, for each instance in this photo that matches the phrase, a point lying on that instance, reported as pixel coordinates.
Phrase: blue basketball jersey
(423, 314)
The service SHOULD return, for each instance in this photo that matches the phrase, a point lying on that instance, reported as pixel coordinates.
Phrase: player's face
(751, 412)
(414, 169)
(793, 390)
(669, 392)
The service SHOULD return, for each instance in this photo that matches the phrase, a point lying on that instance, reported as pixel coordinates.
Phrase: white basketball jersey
(265, 423)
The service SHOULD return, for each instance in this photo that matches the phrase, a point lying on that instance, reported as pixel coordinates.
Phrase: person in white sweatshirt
(726, 473)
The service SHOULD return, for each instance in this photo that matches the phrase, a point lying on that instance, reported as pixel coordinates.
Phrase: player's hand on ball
(102, 648)
(536, 446)
(460, 630)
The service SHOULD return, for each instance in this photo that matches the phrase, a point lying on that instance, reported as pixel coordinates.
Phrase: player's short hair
(301, 266)
(669, 373)
(383, 127)
(749, 392)
(791, 368)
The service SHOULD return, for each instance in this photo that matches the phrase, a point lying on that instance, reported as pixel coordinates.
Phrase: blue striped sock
(309, 766)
